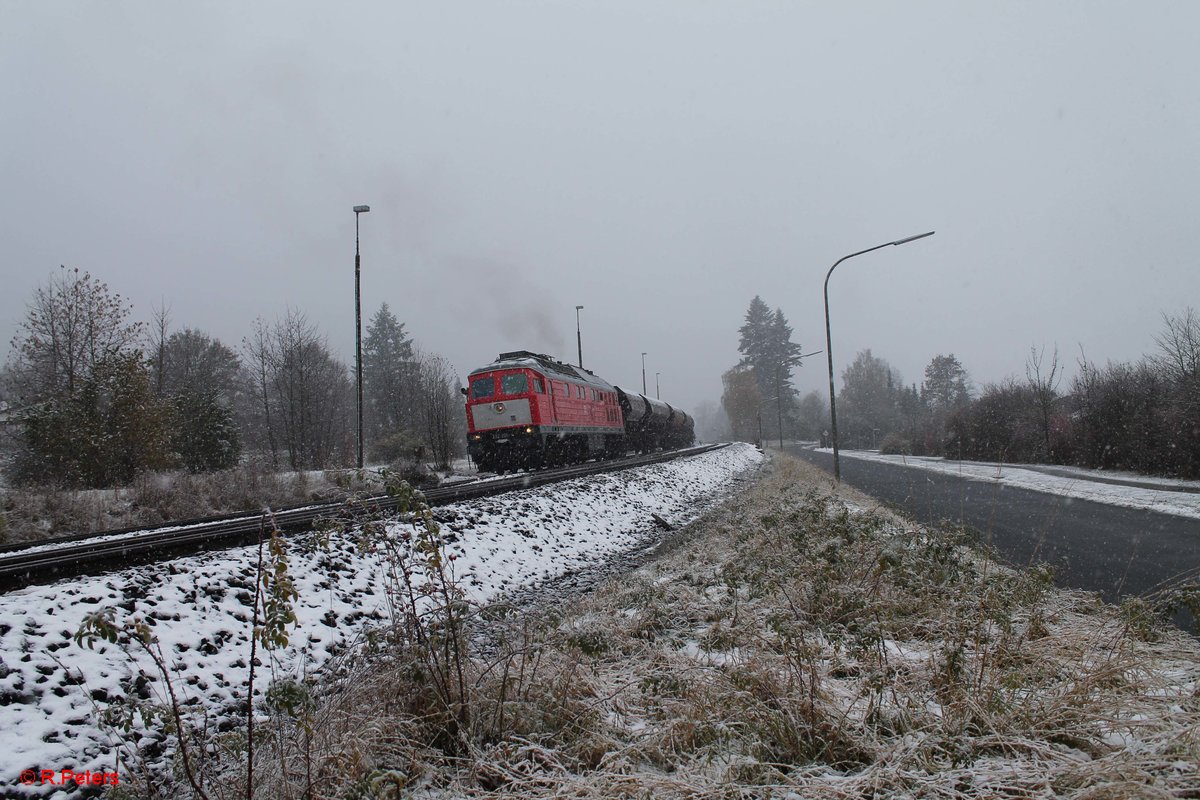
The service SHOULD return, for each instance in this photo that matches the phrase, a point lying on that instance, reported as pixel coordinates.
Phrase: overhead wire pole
(837, 468)
(358, 329)
(643, 374)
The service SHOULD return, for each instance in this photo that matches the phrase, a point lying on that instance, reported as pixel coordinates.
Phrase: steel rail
(89, 554)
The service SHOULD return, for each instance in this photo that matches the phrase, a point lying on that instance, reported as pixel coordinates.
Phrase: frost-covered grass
(29, 514)
(792, 644)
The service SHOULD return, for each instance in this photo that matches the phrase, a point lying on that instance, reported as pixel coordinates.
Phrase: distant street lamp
(657, 393)
(643, 374)
(779, 397)
(578, 335)
(837, 468)
(358, 328)
(762, 403)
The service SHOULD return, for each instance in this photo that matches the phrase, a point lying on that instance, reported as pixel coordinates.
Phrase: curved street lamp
(837, 468)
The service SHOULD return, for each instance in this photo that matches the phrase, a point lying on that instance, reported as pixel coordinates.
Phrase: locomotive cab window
(517, 383)
(483, 387)
(538, 386)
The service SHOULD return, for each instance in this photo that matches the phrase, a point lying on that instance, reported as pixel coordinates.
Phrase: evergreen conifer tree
(391, 379)
(768, 351)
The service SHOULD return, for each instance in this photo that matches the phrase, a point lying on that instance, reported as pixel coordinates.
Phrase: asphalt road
(1109, 549)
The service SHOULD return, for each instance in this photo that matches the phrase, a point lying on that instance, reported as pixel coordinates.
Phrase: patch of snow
(200, 607)
(905, 653)
(717, 658)
(1085, 487)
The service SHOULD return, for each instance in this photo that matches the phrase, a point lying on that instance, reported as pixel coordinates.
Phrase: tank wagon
(528, 410)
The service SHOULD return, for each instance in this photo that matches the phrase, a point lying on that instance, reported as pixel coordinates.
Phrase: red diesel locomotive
(527, 410)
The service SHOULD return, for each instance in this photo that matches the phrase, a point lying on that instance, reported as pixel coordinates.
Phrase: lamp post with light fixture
(578, 335)
(837, 468)
(358, 328)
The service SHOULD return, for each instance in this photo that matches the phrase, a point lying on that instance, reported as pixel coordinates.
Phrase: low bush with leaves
(895, 445)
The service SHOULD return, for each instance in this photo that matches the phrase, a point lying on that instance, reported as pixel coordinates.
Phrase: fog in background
(659, 163)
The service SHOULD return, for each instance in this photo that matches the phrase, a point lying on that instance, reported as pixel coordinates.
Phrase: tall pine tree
(391, 376)
(768, 351)
(755, 342)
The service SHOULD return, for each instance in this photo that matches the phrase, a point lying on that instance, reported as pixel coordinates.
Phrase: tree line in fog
(1142, 416)
(91, 397)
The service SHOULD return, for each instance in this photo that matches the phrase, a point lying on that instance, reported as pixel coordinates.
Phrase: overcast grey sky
(658, 162)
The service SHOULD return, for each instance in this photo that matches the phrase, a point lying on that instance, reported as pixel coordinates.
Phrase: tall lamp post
(578, 335)
(643, 373)
(358, 328)
(657, 393)
(837, 467)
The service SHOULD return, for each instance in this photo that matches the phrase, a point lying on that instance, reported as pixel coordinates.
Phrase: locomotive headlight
(528, 429)
(477, 437)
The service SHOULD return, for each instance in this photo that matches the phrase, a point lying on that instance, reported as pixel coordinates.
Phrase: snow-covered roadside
(1163, 501)
(201, 606)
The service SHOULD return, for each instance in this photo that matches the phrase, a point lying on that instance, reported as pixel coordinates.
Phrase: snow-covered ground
(1169, 497)
(200, 607)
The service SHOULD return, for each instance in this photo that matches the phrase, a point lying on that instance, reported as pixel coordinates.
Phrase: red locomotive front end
(527, 410)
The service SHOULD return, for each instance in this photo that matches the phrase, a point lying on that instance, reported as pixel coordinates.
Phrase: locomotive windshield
(517, 383)
(483, 387)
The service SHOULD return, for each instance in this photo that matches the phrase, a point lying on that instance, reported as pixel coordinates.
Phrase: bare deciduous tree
(1043, 380)
(303, 393)
(741, 400)
(440, 409)
(1179, 343)
(73, 323)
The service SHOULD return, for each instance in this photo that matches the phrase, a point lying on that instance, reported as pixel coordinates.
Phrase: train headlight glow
(528, 429)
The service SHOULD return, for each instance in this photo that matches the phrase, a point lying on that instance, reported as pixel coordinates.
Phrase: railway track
(89, 554)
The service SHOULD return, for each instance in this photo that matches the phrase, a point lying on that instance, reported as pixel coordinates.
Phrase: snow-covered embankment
(200, 607)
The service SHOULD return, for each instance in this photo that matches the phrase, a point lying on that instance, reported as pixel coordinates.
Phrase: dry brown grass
(786, 646)
(32, 514)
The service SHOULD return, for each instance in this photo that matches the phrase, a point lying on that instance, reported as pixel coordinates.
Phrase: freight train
(527, 410)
